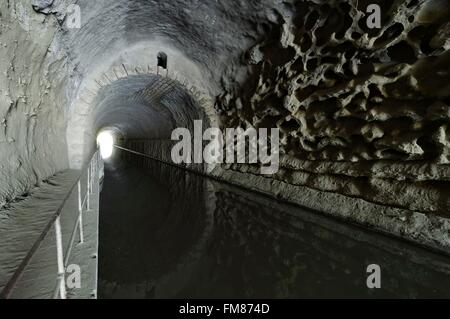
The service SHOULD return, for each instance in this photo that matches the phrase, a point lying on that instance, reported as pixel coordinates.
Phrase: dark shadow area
(168, 233)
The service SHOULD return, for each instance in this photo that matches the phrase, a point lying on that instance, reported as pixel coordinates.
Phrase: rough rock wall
(362, 112)
(32, 143)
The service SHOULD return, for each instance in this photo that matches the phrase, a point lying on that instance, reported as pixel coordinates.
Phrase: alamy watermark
(73, 279)
(234, 145)
(374, 279)
(374, 18)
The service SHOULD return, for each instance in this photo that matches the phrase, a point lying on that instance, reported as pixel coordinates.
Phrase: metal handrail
(55, 222)
(62, 262)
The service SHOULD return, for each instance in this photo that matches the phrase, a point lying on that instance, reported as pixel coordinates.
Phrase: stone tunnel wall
(32, 122)
(362, 112)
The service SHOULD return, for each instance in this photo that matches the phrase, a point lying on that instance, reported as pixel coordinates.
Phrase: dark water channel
(167, 233)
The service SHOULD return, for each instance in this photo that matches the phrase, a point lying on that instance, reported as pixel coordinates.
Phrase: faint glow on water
(105, 141)
(168, 233)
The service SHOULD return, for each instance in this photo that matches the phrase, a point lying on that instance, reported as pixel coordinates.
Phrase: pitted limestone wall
(363, 112)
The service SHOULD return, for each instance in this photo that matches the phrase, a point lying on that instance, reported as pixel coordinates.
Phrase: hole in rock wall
(162, 60)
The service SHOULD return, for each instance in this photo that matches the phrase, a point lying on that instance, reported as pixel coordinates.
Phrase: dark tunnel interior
(190, 149)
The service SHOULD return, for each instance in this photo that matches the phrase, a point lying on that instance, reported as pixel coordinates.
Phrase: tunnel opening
(142, 111)
(105, 143)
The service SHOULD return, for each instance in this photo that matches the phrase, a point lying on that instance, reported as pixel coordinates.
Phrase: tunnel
(225, 149)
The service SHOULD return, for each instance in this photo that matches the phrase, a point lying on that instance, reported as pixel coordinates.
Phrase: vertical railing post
(60, 258)
(88, 188)
(94, 164)
(92, 175)
(80, 213)
(90, 178)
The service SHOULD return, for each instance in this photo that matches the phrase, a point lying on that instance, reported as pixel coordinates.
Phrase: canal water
(168, 233)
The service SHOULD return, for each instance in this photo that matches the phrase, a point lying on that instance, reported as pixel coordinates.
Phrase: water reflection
(168, 233)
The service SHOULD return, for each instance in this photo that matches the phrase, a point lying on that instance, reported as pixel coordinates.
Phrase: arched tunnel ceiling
(203, 40)
(54, 73)
(143, 107)
(206, 32)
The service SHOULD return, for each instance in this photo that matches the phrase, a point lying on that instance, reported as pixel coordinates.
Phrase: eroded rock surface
(363, 112)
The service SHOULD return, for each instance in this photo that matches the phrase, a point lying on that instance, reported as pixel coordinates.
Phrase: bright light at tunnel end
(105, 141)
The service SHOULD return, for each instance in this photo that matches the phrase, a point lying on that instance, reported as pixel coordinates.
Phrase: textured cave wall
(363, 112)
(32, 78)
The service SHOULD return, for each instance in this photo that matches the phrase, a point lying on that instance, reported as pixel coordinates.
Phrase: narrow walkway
(22, 235)
(22, 223)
